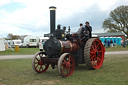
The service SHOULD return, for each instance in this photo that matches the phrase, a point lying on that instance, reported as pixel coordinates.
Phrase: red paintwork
(67, 46)
(40, 67)
(97, 54)
(68, 66)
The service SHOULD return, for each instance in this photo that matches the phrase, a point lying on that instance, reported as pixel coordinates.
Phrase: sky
(32, 17)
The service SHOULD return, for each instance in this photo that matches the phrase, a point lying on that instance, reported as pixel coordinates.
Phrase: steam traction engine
(66, 50)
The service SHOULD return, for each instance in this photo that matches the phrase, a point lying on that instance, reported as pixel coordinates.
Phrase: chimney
(52, 18)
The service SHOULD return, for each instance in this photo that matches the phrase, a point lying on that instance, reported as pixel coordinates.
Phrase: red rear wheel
(66, 64)
(37, 64)
(94, 53)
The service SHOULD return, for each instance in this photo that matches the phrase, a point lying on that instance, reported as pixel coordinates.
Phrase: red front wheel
(37, 64)
(66, 64)
(94, 53)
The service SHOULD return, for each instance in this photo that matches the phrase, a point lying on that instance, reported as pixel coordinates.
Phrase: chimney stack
(52, 18)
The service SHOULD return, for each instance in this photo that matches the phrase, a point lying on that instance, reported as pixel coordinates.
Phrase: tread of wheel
(87, 53)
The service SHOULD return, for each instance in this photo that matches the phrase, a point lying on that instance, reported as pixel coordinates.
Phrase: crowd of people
(109, 43)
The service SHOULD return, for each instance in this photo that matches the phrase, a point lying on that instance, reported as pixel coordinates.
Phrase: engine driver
(88, 29)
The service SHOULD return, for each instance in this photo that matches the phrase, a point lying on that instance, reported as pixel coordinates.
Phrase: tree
(117, 21)
(10, 36)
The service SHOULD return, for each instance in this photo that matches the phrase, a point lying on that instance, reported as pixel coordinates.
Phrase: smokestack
(52, 18)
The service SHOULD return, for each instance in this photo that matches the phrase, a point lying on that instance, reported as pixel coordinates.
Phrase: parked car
(12, 43)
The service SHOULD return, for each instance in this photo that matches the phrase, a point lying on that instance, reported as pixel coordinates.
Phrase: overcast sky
(31, 17)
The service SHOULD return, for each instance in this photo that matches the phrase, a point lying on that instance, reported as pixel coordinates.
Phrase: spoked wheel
(66, 64)
(94, 53)
(37, 63)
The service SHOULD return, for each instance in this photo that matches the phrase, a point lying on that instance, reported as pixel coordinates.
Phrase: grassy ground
(118, 48)
(21, 51)
(34, 50)
(19, 72)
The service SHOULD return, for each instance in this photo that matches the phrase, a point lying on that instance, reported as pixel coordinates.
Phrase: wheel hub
(97, 53)
(40, 62)
(67, 65)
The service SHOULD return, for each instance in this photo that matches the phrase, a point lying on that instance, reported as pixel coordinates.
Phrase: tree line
(11, 36)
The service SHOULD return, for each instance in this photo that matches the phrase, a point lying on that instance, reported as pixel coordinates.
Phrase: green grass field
(19, 72)
(118, 48)
(23, 51)
(28, 51)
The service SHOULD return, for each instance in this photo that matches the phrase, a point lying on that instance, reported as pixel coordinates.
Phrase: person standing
(108, 43)
(81, 25)
(81, 30)
(82, 34)
(88, 29)
(105, 43)
(115, 42)
(111, 42)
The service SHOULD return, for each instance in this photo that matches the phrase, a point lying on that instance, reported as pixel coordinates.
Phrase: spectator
(105, 43)
(42, 42)
(111, 42)
(115, 42)
(123, 43)
(108, 43)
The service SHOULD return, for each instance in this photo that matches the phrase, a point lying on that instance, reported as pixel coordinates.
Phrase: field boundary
(2, 57)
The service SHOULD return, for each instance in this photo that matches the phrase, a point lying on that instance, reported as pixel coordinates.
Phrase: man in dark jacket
(88, 29)
(81, 31)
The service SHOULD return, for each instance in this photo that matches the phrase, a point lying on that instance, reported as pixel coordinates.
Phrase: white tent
(2, 44)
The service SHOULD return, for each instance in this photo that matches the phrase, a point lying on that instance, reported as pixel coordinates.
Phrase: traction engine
(65, 50)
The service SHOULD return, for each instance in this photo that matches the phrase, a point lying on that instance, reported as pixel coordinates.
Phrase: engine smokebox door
(52, 46)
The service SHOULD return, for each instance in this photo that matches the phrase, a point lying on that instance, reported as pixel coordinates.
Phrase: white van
(12, 43)
(31, 41)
